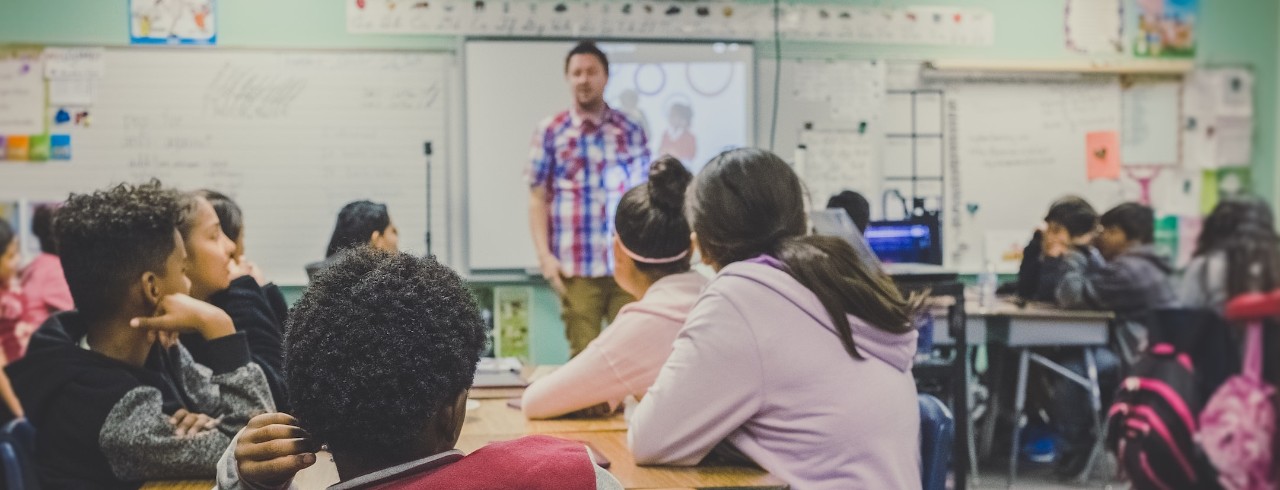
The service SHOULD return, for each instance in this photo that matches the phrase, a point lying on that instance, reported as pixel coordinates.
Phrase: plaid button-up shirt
(585, 167)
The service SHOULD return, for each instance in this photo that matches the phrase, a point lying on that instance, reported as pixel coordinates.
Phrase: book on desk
(502, 372)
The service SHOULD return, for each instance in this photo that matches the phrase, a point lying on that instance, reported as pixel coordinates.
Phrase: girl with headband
(651, 261)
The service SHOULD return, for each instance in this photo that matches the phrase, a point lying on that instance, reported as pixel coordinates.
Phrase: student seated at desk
(42, 279)
(17, 313)
(797, 354)
(1132, 281)
(380, 351)
(855, 205)
(116, 408)
(1070, 220)
(1239, 233)
(360, 224)
(651, 261)
(231, 219)
(1238, 236)
(233, 286)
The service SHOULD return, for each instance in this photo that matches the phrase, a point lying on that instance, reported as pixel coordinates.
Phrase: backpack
(1151, 425)
(1239, 422)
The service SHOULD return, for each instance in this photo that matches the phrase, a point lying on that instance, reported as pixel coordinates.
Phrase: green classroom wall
(1234, 32)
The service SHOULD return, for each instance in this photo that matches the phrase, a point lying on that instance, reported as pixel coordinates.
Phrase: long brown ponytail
(748, 202)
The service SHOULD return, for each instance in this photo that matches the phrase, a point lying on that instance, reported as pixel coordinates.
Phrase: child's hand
(179, 313)
(272, 449)
(190, 423)
(241, 267)
(1055, 241)
(166, 339)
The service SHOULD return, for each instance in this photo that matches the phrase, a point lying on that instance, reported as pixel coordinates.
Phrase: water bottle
(987, 286)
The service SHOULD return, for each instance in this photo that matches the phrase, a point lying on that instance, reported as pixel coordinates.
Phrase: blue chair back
(17, 451)
(937, 432)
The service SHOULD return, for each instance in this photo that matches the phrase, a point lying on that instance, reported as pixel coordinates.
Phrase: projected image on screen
(691, 110)
(694, 100)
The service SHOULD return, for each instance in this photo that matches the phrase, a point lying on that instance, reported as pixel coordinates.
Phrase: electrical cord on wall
(777, 71)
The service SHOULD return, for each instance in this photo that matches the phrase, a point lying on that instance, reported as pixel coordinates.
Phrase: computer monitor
(916, 240)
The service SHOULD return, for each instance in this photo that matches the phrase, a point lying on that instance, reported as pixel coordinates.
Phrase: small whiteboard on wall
(1152, 131)
(290, 135)
(1017, 146)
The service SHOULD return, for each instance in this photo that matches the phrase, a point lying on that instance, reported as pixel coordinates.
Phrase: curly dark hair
(108, 238)
(377, 345)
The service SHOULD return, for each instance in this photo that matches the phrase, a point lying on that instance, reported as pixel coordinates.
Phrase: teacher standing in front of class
(582, 161)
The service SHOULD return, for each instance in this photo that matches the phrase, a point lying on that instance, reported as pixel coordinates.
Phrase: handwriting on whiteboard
(839, 160)
(244, 93)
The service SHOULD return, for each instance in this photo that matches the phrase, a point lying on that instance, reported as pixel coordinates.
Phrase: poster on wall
(511, 321)
(1095, 26)
(704, 19)
(173, 22)
(1166, 28)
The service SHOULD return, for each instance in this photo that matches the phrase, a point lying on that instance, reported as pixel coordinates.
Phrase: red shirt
(528, 463)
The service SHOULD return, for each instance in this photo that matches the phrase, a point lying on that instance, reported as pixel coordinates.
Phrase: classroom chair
(17, 448)
(937, 430)
(950, 376)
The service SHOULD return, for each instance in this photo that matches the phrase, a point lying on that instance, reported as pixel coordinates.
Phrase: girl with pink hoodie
(797, 355)
(651, 262)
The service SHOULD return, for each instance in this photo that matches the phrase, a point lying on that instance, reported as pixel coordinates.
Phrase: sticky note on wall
(16, 148)
(1102, 155)
(60, 147)
(39, 150)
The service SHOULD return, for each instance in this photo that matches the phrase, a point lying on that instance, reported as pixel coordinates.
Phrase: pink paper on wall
(1102, 155)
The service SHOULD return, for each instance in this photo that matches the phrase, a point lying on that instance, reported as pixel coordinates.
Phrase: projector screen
(693, 99)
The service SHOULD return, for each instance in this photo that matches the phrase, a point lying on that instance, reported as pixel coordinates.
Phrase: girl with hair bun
(652, 251)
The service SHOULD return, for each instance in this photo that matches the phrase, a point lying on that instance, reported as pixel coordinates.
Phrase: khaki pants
(588, 302)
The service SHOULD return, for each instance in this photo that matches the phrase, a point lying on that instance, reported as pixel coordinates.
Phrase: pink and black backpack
(1152, 424)
(1239, 422)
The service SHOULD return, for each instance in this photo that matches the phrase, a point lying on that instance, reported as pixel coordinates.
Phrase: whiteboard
(1014, 148)
(290, 135)
(715, 79)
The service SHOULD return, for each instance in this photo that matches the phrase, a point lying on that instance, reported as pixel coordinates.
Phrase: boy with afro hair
(379, 354)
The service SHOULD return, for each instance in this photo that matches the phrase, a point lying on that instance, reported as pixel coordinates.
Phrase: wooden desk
(1032, 325)
(495, 417)
(495, 421)
(614, 446)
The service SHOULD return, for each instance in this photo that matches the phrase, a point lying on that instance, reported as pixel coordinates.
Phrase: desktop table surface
(494, 421)
(1034, 310)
